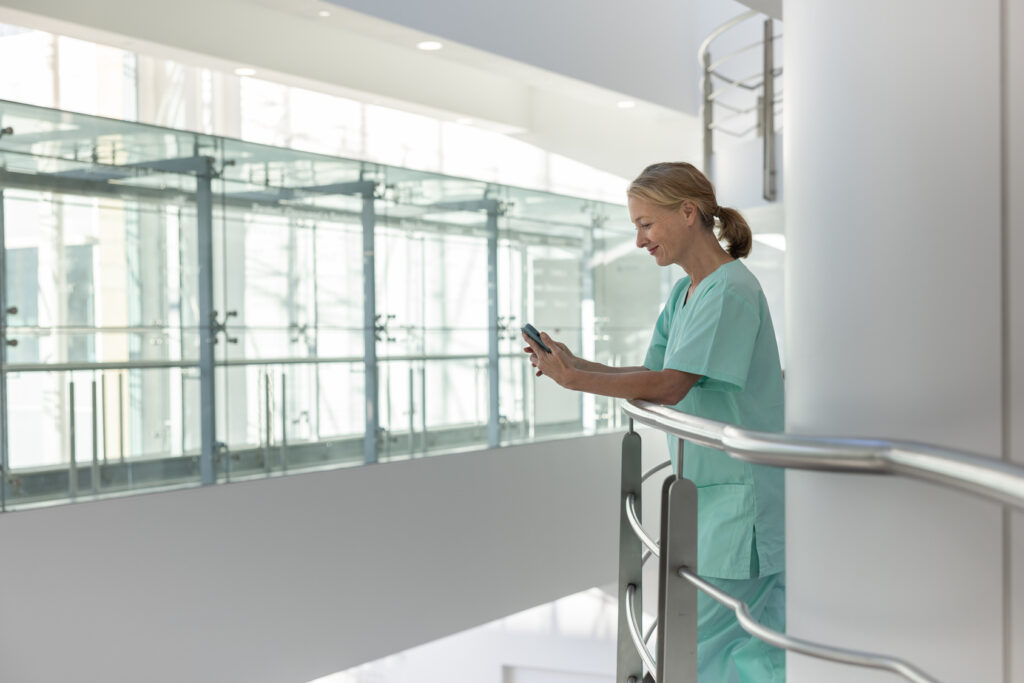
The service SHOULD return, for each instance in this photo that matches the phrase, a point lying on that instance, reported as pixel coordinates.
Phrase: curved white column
(895, 325)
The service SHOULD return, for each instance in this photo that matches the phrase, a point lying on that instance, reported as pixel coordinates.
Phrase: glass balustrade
(105, 237)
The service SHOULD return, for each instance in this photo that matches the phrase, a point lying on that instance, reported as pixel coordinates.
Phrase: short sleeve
(655, 358)
(716, 340)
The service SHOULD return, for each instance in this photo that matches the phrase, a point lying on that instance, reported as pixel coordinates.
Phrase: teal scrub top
(724, 333)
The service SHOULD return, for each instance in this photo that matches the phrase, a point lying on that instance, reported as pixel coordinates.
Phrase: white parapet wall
(292, 578)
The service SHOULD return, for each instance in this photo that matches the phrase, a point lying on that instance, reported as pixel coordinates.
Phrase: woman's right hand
(573, 362)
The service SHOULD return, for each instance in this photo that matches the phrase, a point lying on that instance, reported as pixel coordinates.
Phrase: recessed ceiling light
(245, 71)
(429, 45)
(465, 121)
(324, 13)
(626, 104)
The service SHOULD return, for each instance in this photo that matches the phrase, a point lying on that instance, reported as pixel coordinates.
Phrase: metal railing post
(768, 113)
(369, 221)
(95, 473)
(207, 327)
(494, 414)
(708, 117)
(629, 666)
(677, 598)
(4, 312)
(72, 454)
(284, 421)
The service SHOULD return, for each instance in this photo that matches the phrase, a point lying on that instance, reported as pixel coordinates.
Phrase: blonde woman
(712, 354)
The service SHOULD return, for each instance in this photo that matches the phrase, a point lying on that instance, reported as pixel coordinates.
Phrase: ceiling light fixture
(245, 71)
(429, 45)
(465, 121)
(324, 13)
(626, 104)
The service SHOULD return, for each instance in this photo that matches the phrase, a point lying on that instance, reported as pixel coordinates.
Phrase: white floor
(571, 640)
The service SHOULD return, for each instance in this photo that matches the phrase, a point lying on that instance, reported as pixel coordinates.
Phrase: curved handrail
(781, 640)
(738, 19)
(736, 53)
(992, 479)
(654, 470)
(747, 621)
(634, 522)
(634, 631)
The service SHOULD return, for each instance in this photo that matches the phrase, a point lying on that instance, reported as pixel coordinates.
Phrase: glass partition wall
(185, 309)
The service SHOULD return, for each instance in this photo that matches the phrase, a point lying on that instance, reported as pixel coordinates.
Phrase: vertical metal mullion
(412, 409)
(527, 369)
(369, 220)
(493, 421)
(316, 338)
(588, 403)
(768, 113)
(72, 455)
(120, 413)
(284, 420)
(95, 475)
(268, 426)
(207, 331)
(3, 359)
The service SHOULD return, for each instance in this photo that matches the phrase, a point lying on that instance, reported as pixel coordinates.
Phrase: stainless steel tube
(654, 470)
(652, 546)
(806, 647)
(634, 632)
(986, 477)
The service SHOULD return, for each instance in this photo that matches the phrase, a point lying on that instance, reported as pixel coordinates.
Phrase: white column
(895, 326)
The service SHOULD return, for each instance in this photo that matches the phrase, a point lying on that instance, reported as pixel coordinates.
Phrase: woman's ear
(688, 210)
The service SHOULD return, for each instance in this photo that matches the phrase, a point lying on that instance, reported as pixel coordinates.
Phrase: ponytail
(735, 231)
(670, 184)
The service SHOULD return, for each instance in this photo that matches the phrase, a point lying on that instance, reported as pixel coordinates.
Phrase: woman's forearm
(591, 366)
(667, 387)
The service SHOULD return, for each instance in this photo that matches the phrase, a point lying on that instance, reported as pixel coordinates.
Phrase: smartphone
(533, 334)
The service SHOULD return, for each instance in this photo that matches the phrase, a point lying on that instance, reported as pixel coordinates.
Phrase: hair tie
(718, 211)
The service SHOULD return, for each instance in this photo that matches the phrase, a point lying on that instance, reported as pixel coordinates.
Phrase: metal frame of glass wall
(184, 309)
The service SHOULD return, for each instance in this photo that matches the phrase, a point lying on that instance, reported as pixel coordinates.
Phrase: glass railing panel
(102, 262)
(75, 434)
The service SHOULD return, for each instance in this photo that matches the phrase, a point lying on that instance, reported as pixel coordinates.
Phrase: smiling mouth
(652, 250)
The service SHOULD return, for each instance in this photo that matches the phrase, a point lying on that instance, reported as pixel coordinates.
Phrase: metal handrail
(734, 53)
(751, 625)
(654, 470)
(745, 619)
(739, 19)
(634, 522)
(740, 83)
(992, 479)
(634, 632)
(781, 640)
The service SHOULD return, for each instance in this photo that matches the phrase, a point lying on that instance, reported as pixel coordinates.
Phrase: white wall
(292, 578)
(893, 172)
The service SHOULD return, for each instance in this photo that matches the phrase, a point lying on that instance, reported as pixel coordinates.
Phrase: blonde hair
(669, 184)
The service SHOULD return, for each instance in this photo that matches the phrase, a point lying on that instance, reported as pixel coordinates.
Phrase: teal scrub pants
(728, 654)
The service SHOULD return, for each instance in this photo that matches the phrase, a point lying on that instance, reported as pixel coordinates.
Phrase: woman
(713, 354)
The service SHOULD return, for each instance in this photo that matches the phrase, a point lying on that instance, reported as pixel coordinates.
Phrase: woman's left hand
(558, 365)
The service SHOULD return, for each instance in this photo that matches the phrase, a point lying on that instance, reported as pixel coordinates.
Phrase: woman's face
(664, 233)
